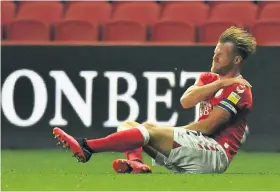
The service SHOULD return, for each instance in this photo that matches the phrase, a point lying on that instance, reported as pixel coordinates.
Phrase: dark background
(261, 71)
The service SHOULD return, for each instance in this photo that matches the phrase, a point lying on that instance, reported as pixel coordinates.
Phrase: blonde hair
(244, 42)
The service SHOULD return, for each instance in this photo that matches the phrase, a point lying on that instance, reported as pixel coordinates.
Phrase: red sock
(119, 142)
(135, 155)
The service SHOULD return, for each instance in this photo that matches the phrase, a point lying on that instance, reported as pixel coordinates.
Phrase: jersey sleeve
(203, 79)
(236, 98)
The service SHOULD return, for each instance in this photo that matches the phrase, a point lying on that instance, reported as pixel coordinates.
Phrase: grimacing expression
(223, 59)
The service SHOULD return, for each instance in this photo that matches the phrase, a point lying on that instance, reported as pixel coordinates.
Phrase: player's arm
(217, 117)
(230, 105)
(196, 94)
(201, 92)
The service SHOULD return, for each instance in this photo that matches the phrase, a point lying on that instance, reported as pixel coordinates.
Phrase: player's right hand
(230, 81)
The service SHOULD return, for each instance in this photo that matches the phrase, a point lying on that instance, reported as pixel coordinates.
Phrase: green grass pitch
(56, 170)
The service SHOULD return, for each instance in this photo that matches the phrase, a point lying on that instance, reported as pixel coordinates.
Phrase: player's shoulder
(239, 91)
(239, 88)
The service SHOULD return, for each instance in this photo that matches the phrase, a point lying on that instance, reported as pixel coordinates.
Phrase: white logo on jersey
(219, 93)
(240, 90)
(226, 145)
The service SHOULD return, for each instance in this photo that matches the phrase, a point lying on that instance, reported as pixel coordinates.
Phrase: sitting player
(205, 146)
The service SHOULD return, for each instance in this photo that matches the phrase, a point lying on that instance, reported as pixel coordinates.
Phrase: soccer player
(205, 146)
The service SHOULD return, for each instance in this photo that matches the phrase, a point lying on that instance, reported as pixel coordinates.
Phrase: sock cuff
(121, 128)
(145, 133)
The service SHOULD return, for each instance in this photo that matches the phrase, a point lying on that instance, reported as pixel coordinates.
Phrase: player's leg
(135, 154)
(134, 162)
(158, 157)
(132, 155)
(160, 139)
(191, 152)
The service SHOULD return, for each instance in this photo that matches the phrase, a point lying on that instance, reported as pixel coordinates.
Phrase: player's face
(223, 59)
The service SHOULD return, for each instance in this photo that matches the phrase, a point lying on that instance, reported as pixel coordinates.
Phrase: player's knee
(150, 126)
(131, 124)
(127, 125)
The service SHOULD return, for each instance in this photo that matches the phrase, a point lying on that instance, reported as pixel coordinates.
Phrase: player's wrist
(220, 84)
(226, 82)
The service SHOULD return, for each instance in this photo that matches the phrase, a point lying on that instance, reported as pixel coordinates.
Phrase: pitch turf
(56, 170)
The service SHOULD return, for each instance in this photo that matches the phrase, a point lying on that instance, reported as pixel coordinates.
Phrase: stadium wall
(88, 90)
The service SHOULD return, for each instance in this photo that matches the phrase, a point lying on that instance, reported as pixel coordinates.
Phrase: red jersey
(236, 99)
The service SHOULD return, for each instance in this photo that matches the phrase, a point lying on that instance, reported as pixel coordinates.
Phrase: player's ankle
(86, 146)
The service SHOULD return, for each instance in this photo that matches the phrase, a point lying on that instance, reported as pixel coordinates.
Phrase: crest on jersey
(240, 89)
(219, 93)
(234, 97)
